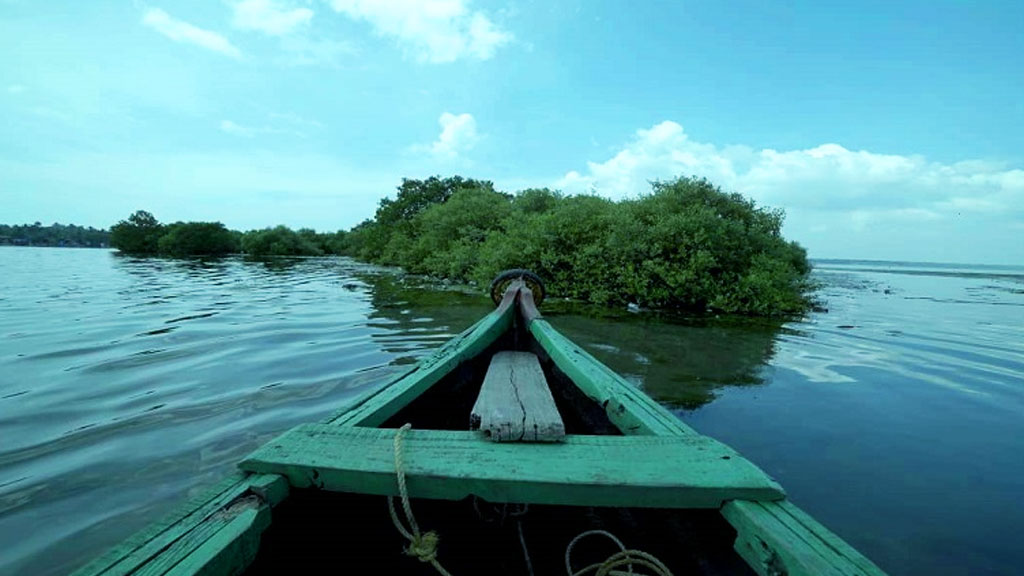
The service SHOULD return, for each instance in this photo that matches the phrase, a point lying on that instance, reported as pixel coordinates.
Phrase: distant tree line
(56, 234)
(686, 244)
(141, 234)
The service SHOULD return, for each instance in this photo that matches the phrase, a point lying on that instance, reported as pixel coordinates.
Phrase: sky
(885, 130)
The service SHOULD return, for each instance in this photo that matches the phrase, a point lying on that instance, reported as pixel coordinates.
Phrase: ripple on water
(199, 364)
(175, 370)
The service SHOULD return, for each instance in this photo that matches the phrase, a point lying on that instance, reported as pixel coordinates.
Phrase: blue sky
(888, 130)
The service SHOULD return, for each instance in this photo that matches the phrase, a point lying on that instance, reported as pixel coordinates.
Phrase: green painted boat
(510, 450)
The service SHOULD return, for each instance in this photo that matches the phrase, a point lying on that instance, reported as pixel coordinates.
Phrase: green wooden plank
(778, 535)
(771, 535)
(232, 548)
(174, 554)
(166, 542)
(630, 471)
(801, 520)
(770, 548)
(114, 561)
(384, 403)
(629, 409)
(273, 489)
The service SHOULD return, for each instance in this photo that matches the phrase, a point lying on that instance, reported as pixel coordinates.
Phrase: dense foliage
(686, 244)
(388, 237)
(142, 235)
(139, 235)
(283, 241)
(54, 235)
(197, 239)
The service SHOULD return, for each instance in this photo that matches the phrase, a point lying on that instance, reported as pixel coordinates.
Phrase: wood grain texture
(160, 547)
(637, 471)
(779, 538)
(515, 404)
(231, 549)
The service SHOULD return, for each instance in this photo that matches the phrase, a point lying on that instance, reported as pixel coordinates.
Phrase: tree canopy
(139, 235)
(685, 244)
(143, 235)
(197, 239)
(55, 234)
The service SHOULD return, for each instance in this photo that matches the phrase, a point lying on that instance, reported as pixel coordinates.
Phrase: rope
(623, 557)
(422, 546)
(518, 515)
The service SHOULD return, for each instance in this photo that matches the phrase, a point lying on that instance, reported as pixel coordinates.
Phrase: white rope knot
(422, 546)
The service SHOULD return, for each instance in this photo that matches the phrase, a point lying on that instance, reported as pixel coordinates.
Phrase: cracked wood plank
(232, 514)
(515, 404)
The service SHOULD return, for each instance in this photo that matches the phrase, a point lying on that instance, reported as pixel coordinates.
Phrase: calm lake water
(896, 418)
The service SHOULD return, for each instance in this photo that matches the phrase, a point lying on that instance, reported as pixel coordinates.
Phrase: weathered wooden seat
(635, 471)
(515, 404)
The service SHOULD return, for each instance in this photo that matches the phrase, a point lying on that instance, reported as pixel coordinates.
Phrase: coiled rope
(624, 557)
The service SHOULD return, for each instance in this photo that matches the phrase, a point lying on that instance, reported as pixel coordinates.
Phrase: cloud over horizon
(862, 185)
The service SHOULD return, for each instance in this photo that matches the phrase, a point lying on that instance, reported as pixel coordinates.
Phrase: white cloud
(269, 17)
(279, 123)
(435, 31)
(298, 50)
(292, 25)
(230, 127)
(862, 186)
(181, 31)
(458, 135)
(16, 89)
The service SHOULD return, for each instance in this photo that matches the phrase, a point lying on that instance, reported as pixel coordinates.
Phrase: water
(126, 385)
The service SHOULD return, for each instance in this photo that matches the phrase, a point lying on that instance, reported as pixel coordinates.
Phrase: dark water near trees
(897, 418)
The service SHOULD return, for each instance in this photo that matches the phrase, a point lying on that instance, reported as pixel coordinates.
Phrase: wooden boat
(564, 455)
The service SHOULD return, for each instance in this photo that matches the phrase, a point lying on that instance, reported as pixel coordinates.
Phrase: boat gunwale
(772, 537)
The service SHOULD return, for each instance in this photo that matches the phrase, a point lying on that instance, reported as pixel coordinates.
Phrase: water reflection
(281, 264)
(413, 316)
(679, 359)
